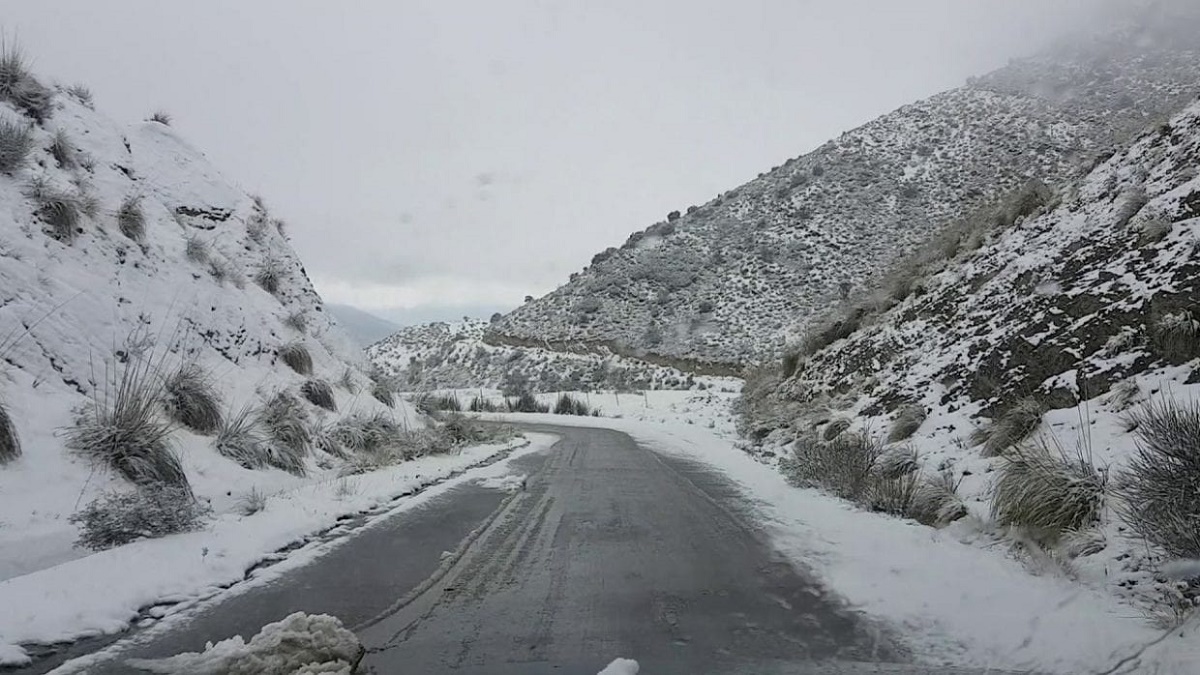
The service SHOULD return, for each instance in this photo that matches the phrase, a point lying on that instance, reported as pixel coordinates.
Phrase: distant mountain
(731, 281)
(363, 327)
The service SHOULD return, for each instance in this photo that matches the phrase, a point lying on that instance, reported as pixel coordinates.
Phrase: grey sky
(432, 157)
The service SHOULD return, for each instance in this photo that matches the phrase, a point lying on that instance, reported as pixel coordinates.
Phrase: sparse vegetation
(908, 420)
(430, 404)
(1010, 428)
(19, 87)
(297, 357)
(481, 404)
(935, 502)
(1153, 231)
(161, 117)
(297, 321)
(285, 424)
(843, 466)
(119, 518)
(1176, 336)
(122, 429)
(383, 391)
(319, 393)
(1158, 490)
(348, 380)
(898, 462)
(10, 442)
(254, 501)
(59, 210)
(131, 220)
(270, 275)
(240, 439)
(1046, 492)
(63, 150)
(191, 400)
(82, 94)
(16, 142)
(526, 402)
(569, 405)
(834, 428)
(196, 250)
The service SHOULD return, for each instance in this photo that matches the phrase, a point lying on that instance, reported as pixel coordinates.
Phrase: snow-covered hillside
(1057, 328)
(463, 354)
(723, 281)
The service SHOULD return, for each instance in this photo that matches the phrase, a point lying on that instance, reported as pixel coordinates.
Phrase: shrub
(365, 433)
(270, 275)
(383, 391)
(123, 430)
(58, 210)
(569, 405)
(89, 204)
(1176, 336)
(835, 428)
(463, 429)
(832, 330)
(1153, 231)
(790, 364)
(1160, 489)
(130, 218)
(348, 381)
(1010, 428)
(1132, 203)
(908, 420)
(10, 443)
(1047, 493)
(297, 357)
(16, 142)
(20, 88)
(118, 518)
(481, 404)
(82, 94)
(252, 502)
(319, 393)
(239, 438)
(286, 424)
(196, 250)
(898, 462)
(63, 151)
(256, 227)
(935, 502)
(161, 117)
(191, 400)
(526, 402)
(297, 321)
(429, 404)
(842, 466)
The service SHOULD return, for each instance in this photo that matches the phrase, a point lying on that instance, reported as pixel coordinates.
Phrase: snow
(951, 601)
(620, 667)
(298, 644)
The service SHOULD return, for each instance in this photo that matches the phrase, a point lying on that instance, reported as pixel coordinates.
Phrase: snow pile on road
(300, 644)
(620, 667)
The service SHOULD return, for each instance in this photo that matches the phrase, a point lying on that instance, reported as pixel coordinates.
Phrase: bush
(526, 402)
(843, 466)
(464, 430)
(161, 117)
(1160, 489)
(118, 518)
(297, 357)
(908, 420)
(10, 443)
(270, 275)
(58, 210)
(240, 439)
(1153, 231)
(297, 321)
(1176, 336)
(20, 88)
(383, 391)
(16, 142)
(348, 381)
(63, 151)
(82, 94)
(429, 404)
(285, 423)
(123, 430)
(830, 331)
(835, 428)
(1010, 428)
(481, 404)
(569, 405)
(191, 400)
(196, 250)
(1047, 493)
(252, 502)
(892, 495)
(898, 462)
(130, 218)
(935, 502)
(319, 393)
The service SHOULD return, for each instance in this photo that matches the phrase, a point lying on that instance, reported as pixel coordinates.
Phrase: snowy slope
(725, 280)
(1068, 308)
(80, 304)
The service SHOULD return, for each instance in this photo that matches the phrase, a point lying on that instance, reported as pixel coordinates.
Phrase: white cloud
(433, 291)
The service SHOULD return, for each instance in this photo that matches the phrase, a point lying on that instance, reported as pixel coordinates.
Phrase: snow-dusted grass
(297, 357)
(192, 400)
(285, 423)
(1013, 426)
(908, 420)
(131, 220)
(16, 141)
(63, 150)
(1047, 491)
(118, 518)
(952, 601)
(319, 393)
(10, 441)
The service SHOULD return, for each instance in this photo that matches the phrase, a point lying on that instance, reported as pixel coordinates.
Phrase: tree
(673, 216)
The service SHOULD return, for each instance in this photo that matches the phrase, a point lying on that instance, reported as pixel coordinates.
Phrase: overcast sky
(442, 158)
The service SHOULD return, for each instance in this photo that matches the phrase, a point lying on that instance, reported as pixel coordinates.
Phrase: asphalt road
(610, 551)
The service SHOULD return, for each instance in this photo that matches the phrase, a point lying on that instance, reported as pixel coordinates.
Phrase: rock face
(728, 282)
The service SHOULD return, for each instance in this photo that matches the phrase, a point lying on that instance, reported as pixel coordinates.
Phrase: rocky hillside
(143, 292)
(727, 281)
(463, 355)
(988, 355)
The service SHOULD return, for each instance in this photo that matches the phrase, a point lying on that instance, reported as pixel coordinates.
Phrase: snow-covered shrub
(89, 204)
(481, 404)
(843, 466)
(569, 405)
(430, 404)
(297, 357)
(285, 423)
(383, 391)
(270, 274)
(20, 88)
(252, 502)
(1153, 231)
(297, 321)
(898, 462)
(790, 364)
(892, 494)
(1010, 428)
(191, 400)
(256, 227)
(63, 151)
(908, 420)
(1176, 336)
(83, 94)
(936, 502)
(59, 210)
(365, 433)
(348, 380)
(1132, 203)
(16, 142)
(239, 438)
(465, 430)
(130, 218)
(830, 330)
(1124, 393)
(10, 443)
(835, 428)
(1160, 489)
(1047, 492)
(118, 518)
(319, 393)
(526, 402)
(123, 429)
(196, 250)
(161, 117)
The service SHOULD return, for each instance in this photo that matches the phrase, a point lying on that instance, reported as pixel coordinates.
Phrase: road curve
(611, 550)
